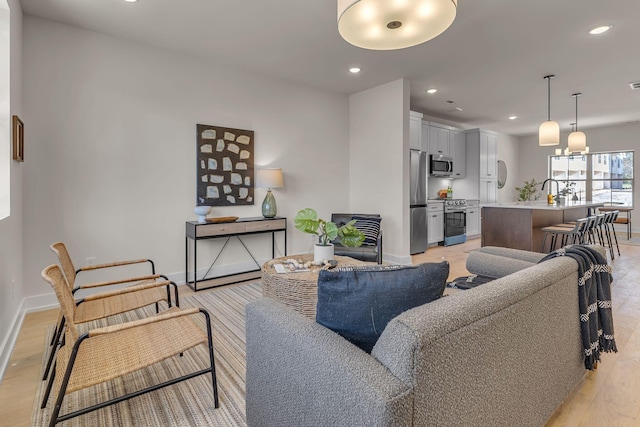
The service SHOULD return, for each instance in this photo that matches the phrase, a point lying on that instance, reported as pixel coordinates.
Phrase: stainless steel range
(455, 221)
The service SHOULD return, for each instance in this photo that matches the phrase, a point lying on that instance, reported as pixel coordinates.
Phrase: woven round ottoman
(298, 291)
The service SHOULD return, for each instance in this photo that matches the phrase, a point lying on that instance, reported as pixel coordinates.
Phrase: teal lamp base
(269, 208)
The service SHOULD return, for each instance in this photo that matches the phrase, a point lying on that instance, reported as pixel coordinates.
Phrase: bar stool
(568, 235)
(625, 220)
(612, 220)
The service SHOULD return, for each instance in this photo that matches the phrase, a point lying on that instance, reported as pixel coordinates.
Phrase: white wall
(379, 162)
(111, 155)
(11, 250)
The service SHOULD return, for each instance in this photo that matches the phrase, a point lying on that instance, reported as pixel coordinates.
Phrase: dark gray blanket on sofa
(594, 298)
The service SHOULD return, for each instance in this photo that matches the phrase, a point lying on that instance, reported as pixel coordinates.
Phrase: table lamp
(269, 178)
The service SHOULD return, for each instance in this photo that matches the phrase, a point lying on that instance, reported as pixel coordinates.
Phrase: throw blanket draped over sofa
(594, 297)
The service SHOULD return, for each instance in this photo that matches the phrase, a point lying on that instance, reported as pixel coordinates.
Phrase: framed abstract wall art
(225, 168)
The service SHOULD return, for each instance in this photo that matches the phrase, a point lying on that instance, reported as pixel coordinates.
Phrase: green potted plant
(528, 191)
(307, 220)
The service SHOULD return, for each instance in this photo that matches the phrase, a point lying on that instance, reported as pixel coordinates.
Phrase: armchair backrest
(65, 261)
(54, 276)
(342, 218)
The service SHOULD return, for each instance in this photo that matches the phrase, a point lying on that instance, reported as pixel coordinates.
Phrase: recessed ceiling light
(431, 91)
(131, 1)
(600, 30)
(513, 117)
(354, 70)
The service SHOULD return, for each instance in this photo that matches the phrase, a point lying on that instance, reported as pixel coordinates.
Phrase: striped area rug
(188, 403)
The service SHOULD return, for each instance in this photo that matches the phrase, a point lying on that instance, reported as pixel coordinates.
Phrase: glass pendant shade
(549, 134)
(577, 142)
(388, 25)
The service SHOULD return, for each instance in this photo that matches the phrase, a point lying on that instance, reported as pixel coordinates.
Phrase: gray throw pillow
(358, 302)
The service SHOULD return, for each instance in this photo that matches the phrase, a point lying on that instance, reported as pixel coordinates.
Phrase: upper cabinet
(488, 155)
(438, 140)
(415, 131)
(458, 152)
(482, 165)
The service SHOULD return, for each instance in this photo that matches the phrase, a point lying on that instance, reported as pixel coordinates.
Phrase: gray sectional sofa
(503, 354)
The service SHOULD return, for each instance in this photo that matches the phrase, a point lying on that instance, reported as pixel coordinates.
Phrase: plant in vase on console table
(307, 220)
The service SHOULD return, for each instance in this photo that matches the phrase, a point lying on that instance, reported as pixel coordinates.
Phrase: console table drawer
(218, 229)
(277, 224)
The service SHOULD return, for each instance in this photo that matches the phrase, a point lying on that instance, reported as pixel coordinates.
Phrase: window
(600, 177)
(5, 114)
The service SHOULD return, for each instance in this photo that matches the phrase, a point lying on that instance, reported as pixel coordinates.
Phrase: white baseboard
(10, 339)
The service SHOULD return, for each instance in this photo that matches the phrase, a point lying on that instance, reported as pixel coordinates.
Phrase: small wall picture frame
(18, 139)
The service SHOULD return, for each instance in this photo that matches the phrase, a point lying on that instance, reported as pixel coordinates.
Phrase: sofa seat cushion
(358, 302)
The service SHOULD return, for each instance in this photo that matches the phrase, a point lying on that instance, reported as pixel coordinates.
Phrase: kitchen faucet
(557, 185)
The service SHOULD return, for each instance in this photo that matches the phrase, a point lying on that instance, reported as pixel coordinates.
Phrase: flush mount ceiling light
(431, 91)
(396, 24)
(354, 70)
(577, 139)
(600, 30)
(549, 132)
(513, 117)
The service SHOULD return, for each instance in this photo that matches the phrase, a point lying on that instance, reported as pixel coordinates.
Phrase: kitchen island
(518, 225)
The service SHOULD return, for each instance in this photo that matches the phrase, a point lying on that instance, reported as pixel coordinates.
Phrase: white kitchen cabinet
(425, 137)
(488, 190)
(458, 152)
(415, 130)
(438, 140)
(435, 223)
(488, 155)
(473, 218)
(481, 177)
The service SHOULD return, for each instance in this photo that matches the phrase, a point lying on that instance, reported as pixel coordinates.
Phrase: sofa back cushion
(358, 302)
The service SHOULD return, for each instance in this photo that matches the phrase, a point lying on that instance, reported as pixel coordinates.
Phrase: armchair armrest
(117, 264)
(328, 381)
(167, 315)
(140, 287)
(120, 281)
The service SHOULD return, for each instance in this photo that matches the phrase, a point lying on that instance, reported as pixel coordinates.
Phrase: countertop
(542, 205)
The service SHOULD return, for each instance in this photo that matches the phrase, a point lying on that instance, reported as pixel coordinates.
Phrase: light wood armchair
(146, 290)
(110, 352)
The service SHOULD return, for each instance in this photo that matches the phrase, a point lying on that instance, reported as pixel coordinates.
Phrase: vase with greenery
(307, 220)
(528, 191)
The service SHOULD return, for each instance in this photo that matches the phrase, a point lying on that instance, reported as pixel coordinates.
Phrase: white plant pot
(321, 253)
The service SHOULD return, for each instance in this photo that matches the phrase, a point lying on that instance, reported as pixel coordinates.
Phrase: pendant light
(577, 139)
(388, 25)
(549, 132)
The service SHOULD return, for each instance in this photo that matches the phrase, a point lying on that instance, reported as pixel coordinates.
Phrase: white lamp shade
(577, 142)
(549, 134)
(269, 178)
(387, 25)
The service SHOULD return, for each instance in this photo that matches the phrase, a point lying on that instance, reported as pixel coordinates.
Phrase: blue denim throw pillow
(358, 302)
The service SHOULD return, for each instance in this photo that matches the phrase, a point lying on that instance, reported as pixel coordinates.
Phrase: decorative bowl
(202, 212)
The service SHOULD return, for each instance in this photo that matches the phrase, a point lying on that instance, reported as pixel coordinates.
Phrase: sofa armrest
(300, 373)
(495, 266)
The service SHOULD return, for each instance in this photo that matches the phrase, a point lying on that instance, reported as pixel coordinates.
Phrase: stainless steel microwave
(441, 165)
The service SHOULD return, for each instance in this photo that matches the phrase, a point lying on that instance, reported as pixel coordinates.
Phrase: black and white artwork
(224, 166)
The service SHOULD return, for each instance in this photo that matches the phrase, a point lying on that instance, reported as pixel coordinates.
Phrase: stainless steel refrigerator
(418, 201)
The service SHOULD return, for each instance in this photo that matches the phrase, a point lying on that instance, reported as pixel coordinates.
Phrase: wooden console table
(197, 231)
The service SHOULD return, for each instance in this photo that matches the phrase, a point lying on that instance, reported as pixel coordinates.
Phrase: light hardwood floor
(609, 396)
